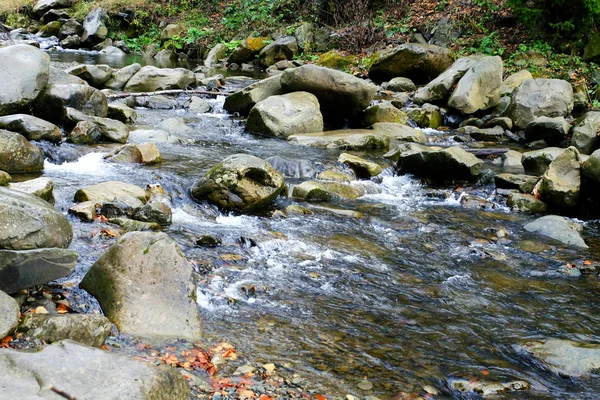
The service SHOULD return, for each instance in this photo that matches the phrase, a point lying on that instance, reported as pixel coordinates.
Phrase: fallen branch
(63, 394)
(172, 91)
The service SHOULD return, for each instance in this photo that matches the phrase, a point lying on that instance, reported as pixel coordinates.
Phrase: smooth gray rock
(32, 128)
(585, 132)
(95, 75)
(120, 77)
(112, 191)
(557, 228)
(9, 314)
(527, 203)
(551, 130)
(240, 182)
(53, 102)
(144, 285)
(17, 155)
(399, 132)
(155, 211)
(60, 77)
(243, 100)
(347, 139)
(441, 87)
(43, 6)
(383, 112)
(86, 373)
(128, 153)
(218, 52)
(84, 132)
(87, 329)
(561, 183)
(110, 130)
(540, 98)
(514, 81)
(27, 268)
(120, 112)
(536, 162)
(281, 49)
(94, 29)
(42, 187)
(282, 116)
(565, 357)
(150, 79)
(198, 105)
(25, 73)
(326, 191)
(479, 88)
(70, 27)
(400, 84)
(591, 167)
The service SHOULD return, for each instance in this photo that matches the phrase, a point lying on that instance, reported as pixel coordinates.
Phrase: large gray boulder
(17, 155)
(565, 357)
(150, 79)
(479, 88)
(340, 94)
(43, 6)
(32, 128)
(86, 373)
(551, 130)
(87, 329)
(240, 182)
(25, 72)
(9, 315)
(94, 29)
(557, 228)
(540, 98)
(95, 75)
(281, 49)
(585, 132)
(24, 269)
(419, 62)
(435, 163)
(514, 81)
(215, 54)
(562, 181)
(282, 116)
(243, 100)
(53, 102)
(440, 88)
(144, 285)
(536, 162)
(29, 223)
(120, 77)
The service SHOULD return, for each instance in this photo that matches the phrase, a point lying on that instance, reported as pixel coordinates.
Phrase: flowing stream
(417, 291)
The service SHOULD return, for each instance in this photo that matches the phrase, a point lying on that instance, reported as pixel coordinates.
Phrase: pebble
(244, 369)
(270, 367)
(41, 310)
(431, 390)
(365, 385)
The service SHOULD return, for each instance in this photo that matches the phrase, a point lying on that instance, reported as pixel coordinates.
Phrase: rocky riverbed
(174, 233)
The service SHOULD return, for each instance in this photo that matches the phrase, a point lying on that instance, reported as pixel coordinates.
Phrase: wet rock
(471, 202)
(361, 167)
(591, 167)
(155, 136)
(130, 225)
(293, 168)
(340, 94)
(150, 153)
(198, 105)
(399, 132)
(70, 27)
(551, 130)
(94, 29)
(140, 295)
(401, 84)
(295, 209)
(557, 228)
(121, 112)
(565, 357)
(87, 329)
(243, 100)
(585, 129)
(561, 183)
(128, 153)
(110, 191)
(441, 87)
(85, 211)
(32, 128)
(50, 29)
(155, 211)
(488, 388)
(336, 176)
(428, 116)
(157, 102)
(95, 75)
(240, 182)
(53, 102)
(527, 203)
(27, 268)
(120, 78)
(9, 315)
(40, 187)
(281, 116)
(110, 130)
(25, 73)
(419, 62)
(524, 183)
(479, 88)
(383, 112)
(435, 163)
(150, 79)
(514, 81)
(86, 373)
(84, 132)
(215, 54)
(540, 98)
(348, 139)
(208, 241)
(281, 49)
(326, 191)
(536, 162)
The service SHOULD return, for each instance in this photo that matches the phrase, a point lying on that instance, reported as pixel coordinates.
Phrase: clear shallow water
(418, 291)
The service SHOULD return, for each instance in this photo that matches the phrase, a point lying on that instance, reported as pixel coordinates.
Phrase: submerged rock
(557, 228)
(293, 168)
(86, 373)
(144, 285)
(240, 182)
(565, 357)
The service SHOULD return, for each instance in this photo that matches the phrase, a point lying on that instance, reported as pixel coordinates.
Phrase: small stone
(41, 310)
(365, 385)
(431, 390)
(270, 367)
(244, 370)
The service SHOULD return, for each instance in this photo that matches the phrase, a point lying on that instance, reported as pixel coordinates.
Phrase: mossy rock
(336, 60)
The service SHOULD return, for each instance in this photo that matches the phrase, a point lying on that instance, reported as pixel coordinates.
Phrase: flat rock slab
(9, 314)
(24, 269)
(557, 228)
(347, 139)
(86, 373)
(565, 357)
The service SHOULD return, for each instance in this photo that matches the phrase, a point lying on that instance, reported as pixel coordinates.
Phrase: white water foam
(89, 164)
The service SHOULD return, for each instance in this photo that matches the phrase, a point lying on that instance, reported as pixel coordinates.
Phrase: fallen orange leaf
(320, 397)
(485, 372)
(587, 262)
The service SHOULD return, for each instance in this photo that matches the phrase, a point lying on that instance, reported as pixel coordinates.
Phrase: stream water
(417, 291)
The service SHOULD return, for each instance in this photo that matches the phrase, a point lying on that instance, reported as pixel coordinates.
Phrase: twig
(63, 394)
(159, 92)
